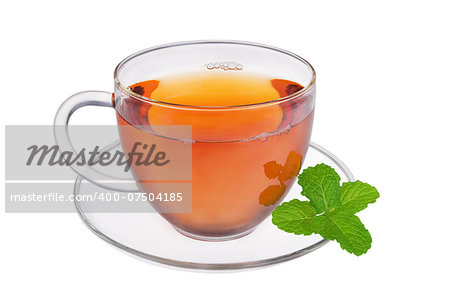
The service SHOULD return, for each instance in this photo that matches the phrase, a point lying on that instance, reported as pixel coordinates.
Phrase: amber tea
(245, 155)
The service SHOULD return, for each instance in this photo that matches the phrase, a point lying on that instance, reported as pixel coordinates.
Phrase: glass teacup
(250, 109)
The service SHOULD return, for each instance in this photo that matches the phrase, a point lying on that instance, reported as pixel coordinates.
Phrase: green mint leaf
(321, 186)
(356, 196)
(295, 216)
(330, 211)
(346, 229)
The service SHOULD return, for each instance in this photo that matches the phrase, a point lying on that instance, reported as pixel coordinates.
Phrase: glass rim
(139, 97)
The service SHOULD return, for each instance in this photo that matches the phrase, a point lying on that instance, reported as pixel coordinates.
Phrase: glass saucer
(149, 236)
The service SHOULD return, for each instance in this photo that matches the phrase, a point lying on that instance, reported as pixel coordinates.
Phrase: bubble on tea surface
(187, 141)
(227, 65)
(263, 137)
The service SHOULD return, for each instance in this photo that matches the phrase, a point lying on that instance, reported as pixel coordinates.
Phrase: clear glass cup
(245, 157)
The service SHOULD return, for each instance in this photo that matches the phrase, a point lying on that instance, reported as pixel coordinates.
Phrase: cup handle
(60, 130)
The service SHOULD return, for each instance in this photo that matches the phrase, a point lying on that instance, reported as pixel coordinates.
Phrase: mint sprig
(330, 210)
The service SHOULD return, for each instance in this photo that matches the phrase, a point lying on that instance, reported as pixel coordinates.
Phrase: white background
(382, 106)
